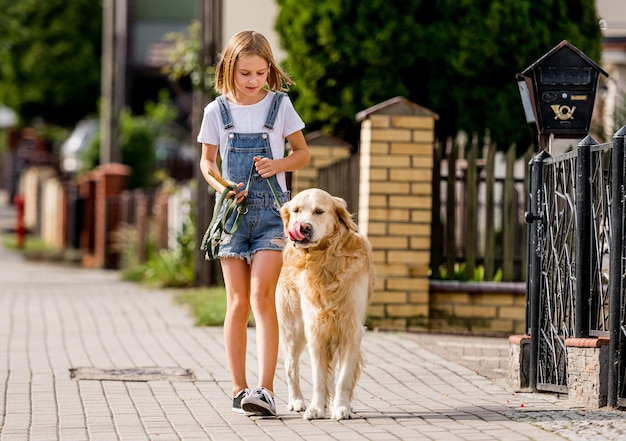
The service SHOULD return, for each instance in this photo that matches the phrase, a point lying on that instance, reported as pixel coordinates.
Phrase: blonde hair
(244, 44)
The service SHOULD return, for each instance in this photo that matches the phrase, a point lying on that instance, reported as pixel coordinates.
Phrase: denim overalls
(261, 227)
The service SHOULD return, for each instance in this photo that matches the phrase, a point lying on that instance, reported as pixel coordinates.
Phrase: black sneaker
(237, 401)
(259, 402)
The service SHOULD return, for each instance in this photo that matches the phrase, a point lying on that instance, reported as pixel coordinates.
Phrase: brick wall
(479, 308)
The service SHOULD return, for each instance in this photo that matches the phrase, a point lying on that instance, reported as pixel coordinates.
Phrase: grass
(208, 305)
(30, 245)
(34, 248)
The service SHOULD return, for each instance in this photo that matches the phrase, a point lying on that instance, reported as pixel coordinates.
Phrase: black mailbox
(559, 90)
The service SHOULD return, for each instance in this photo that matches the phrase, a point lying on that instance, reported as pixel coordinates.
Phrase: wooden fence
(479, 199)
(342, 179)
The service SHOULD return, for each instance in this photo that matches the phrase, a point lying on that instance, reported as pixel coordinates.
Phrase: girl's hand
(264, 166)
(240, 195)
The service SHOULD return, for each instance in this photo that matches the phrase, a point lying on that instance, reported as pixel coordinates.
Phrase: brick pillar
(587, 371)
(519, 360)
(110, 180)
(395, 199)
(325, 150)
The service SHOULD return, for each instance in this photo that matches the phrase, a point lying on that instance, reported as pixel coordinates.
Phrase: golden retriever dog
(325, 286)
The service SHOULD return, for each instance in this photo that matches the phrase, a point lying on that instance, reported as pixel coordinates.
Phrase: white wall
(612, 15)
(613, 12)
(255, 15)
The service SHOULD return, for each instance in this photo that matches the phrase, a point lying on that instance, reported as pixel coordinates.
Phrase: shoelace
(262, 394)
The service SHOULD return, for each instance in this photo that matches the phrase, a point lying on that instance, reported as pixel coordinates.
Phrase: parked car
(79, 140)
(173, 151)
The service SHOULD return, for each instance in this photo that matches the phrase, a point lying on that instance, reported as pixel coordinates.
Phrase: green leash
(213, 235)
(274, 192)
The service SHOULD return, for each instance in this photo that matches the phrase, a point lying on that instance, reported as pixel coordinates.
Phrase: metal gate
(617, 302)
(577, 260)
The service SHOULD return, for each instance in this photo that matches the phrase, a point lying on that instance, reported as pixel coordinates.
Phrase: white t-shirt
(251, 119)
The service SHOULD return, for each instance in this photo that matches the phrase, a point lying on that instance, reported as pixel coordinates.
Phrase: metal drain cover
(132, 374)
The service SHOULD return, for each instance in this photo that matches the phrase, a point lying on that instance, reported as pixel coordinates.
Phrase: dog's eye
(319, 211)
(296, 210)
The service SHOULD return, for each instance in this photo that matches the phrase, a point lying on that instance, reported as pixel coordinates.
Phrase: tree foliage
(138, 141)
(183, 56)
(456, 57)
(50, 57)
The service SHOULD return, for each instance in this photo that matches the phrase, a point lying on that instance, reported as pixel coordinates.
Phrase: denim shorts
(261, 228)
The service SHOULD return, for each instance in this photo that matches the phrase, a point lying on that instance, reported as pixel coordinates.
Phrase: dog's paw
(313, 413)
(342, 413)
(296, 405)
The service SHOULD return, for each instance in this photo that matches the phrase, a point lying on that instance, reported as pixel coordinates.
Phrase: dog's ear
(341, 207)
(284, 213)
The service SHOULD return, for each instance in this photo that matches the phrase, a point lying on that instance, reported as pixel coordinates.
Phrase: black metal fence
(577, 260)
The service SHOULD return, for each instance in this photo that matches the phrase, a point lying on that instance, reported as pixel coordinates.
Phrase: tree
(50, 58)
(456, 57)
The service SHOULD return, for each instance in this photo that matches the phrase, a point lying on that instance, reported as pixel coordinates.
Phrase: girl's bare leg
(236, 274)
(266, 267)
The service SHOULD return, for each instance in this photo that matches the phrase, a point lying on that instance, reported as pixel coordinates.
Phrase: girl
(247, 125)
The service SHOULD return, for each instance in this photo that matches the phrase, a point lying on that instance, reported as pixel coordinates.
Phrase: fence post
(471, 209)
(509, 215)
(437, 227)
(615, 265)
(524, 268)
(452, 156)
(583, 242)
(534, 219)
(490, 235)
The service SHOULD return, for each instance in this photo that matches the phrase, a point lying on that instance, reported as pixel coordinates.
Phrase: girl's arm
(299, 157)
(211, 172)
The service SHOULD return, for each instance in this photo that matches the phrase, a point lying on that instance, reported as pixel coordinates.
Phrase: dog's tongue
(295, 233)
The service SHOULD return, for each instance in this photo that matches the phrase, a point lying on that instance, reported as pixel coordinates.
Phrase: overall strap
(225, 112)
(271, 116)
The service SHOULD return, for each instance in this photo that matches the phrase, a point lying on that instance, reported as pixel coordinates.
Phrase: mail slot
(558, 91)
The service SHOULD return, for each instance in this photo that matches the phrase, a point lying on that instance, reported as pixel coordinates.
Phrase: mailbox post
(558, 92)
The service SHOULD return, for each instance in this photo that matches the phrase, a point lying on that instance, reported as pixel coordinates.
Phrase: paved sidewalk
(54, 318)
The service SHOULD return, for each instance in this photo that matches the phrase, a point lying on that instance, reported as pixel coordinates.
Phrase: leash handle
(218, 178)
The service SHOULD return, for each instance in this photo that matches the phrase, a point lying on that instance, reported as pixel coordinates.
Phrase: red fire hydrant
(20, 230)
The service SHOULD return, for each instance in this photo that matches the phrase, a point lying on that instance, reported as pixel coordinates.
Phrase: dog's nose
(306, 229)
(300, 231)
